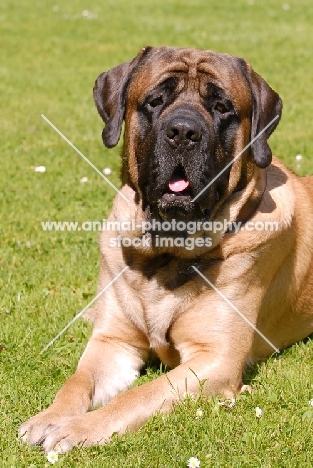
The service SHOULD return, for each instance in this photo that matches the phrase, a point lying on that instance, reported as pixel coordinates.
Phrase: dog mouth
(178, 187)
(176, 201)
(179, 182)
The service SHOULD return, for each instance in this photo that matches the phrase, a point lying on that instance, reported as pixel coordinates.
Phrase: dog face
(188, 113)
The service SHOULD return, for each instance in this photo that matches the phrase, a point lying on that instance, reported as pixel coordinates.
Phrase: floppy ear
(110, 93)
(267, 106)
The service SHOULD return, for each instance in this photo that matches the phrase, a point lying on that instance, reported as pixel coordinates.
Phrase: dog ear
(266, 108)
(110, 94)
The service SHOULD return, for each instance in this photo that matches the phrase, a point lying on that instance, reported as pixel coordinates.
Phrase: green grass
(50, 59)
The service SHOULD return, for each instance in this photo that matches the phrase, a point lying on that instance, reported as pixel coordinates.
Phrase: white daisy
(258, 412)
(229, 403)
(193, 462)
(40, 169)
(188, 396)
(52, 457)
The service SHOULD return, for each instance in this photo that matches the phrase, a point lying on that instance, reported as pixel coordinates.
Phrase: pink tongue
(178, 185)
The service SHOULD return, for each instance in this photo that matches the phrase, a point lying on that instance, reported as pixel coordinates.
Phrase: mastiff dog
(207, 256)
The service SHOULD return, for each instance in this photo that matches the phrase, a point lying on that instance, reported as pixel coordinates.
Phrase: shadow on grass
(155, 367)
(251, 372)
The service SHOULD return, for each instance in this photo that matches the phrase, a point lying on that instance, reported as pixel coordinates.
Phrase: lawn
(51, 54)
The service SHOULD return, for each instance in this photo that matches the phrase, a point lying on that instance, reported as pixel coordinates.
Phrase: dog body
(231, 297)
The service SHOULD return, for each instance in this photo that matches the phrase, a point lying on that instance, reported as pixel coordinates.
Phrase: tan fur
(266, 275)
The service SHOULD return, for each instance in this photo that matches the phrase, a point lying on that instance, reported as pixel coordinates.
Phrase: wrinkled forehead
(196, 67)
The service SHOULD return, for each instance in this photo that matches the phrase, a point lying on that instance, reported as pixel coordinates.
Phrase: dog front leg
(131, 409)
(107, 367)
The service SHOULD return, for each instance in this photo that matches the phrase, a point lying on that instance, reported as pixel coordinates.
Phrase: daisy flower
(199, 413)
(40, 169)
(193, 462)
(258, 412)
(107, 171)
(229, 403)
(83, 180)
(311, 402)
(52, 457)
(188, 395)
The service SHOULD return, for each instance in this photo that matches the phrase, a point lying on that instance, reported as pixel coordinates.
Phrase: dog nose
(183, 132)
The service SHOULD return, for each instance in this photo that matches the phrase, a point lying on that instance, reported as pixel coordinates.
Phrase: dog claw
(246, 388)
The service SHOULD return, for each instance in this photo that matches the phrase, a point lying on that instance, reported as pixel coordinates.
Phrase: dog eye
(219, 107)
(156, 102)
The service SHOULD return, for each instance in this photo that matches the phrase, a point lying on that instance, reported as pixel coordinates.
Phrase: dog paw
(35, 430)
(76, 431)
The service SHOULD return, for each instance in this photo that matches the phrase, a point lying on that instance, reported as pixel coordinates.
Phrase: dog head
(188, 113)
